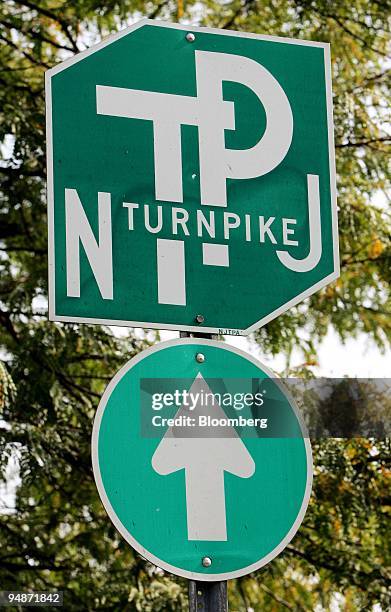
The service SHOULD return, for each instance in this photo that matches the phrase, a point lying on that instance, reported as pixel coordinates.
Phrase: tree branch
(54, 17)
(24, 249)
(342, 25)
(21, 171)
(363, 143)
(246, 4)
(157, 10)
(29, 57)
(5, 321)
(376, 77)
(343, 570)
(279, 600)
(8, 228)
(364, 260)
(35, 35)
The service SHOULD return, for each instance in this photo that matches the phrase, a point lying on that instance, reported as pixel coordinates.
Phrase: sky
(356, 358)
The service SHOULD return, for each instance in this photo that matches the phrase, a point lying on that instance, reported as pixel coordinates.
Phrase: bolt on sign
(206, 470)
(191, 180)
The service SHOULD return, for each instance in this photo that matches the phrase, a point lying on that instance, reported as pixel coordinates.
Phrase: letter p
(218, 163)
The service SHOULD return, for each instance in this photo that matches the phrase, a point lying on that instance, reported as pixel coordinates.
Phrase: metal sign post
(206, 596)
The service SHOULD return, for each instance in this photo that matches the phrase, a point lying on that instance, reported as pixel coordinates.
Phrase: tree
(57, 534)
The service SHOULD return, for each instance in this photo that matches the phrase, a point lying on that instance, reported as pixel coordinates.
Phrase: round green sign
(201, 460)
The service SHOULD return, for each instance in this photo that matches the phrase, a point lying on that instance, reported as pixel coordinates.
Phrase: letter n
(99, 255)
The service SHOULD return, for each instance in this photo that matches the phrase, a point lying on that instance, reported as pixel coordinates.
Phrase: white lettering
(158, 227)
(180, 216)
(287, 231)
(315, 253)
(131, 207)
(99, 254)
(264, 228)
(213, 115)
(248, 227)
(208, 225)
(228, 225)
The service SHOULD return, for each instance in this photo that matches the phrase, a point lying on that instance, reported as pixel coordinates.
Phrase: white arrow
(204, 458)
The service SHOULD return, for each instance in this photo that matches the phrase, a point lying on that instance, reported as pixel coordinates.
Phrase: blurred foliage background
(55, 533)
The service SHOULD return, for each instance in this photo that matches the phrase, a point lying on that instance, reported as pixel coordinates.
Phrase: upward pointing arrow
(204, 459)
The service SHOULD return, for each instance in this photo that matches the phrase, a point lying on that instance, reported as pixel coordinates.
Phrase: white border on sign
(50, 181)
(112, 514)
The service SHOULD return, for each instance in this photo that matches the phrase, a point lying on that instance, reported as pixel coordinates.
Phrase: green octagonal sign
(201, 463)
(191, 180)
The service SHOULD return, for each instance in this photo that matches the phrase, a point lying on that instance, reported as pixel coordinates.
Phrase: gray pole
(206, 596)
